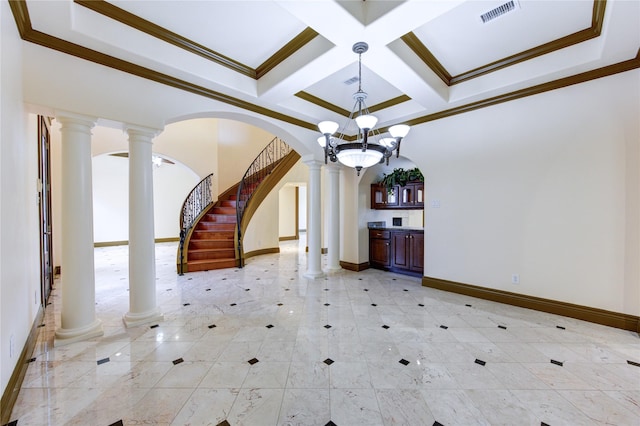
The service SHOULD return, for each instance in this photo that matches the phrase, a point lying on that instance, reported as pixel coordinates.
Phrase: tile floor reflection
(263, 345)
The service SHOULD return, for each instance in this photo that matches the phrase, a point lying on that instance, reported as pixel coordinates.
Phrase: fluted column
(142, 250)
(78, 313)
(333, 256)
(314, 268)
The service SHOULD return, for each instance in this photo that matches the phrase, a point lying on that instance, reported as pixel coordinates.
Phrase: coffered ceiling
(293, 60)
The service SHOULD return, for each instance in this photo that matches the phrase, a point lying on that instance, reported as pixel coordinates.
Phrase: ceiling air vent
(351, 81)
(499, 11)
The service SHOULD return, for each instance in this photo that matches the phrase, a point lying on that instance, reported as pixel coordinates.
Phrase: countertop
(397, 228)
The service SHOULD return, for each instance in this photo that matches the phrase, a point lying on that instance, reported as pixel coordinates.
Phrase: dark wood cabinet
(410, 196)
(382, 198)
(379, 249)
(397, 250)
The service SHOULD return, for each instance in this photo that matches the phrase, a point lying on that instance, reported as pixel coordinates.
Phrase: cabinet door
(419, 194)
(380, 252)
(378, 196)
(416, 242)
(392, 197)
(400, 250)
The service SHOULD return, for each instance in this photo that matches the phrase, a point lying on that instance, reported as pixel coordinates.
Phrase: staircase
(212, 233)
(212, 245)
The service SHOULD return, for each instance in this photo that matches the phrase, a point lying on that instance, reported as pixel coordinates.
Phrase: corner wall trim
(293, 237)
(357, 267)
(585, 313)
(126, 242)
(10, 394)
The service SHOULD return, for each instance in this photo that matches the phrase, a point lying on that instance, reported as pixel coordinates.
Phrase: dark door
(400, 258)
(44, 199)
(379, 252)
(417, 252)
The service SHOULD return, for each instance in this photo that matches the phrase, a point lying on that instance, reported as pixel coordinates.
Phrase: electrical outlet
(515, 279)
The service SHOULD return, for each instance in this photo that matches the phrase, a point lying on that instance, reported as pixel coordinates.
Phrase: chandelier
(366, 152)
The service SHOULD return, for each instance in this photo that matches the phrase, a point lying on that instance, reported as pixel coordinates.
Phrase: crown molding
(27, 33)
(331, 107)
(597, 19)
(113, 12)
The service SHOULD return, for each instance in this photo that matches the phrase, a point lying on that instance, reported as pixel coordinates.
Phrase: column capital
(140, 133)
(68, 119)
(312, 162)
(333, 168)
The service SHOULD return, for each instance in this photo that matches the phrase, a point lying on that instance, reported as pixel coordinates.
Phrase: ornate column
(78, 314)
(333, 259)
(314, 268)
(142, 250)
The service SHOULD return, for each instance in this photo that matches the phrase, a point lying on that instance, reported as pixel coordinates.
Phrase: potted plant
(400, 177)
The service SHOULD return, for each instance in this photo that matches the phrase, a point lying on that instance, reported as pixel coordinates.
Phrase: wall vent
(351, 81)
(499, 11)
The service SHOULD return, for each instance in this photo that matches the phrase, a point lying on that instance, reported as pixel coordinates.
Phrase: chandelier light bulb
(399, 130)
(366, 122)
(328, 127)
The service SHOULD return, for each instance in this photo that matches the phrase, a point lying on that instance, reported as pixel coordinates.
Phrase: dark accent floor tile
(393, 279)
(331, 424)
(480, 362)
(373, 304)
(328, 361)
(269, 326)
(233, 304)
(405, 289)
(327, 326)
(386, 327)
(118, 423)
(327, 304)
(103, 360)
(253, 361)
(359, 279)
(31, 360)
(225, 278)
(279, 304)
(561, 327)
(366, 289)
(467, 305)
(224, 423)
(404, 362)
(553, 361)
(636, 364)
(502, 327)
(177, 361)
(155, 326)
(247, 289)
(326, 289)
(189, 279)
(186, 304)
(258, 279)
(444, 327)
(208, 289)
(169, 289)
(212, 326)
(41, 325)
(437, 423)
(421, 305)
(544, 424)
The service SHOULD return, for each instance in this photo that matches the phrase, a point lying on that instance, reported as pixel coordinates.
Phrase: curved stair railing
(198, 200)
(259, 169)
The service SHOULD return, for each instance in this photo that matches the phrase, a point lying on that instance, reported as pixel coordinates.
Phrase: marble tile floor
(263, 345)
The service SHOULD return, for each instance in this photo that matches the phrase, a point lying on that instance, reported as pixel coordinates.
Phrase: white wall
(542, 187)
(287, 205)
(302, 208)
(262, 231)
(171, 184)
(19, 217)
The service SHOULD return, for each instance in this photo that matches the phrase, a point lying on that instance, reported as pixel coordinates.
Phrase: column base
(313, 275)
(334, 269)
(135, 319)
(71, 335)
